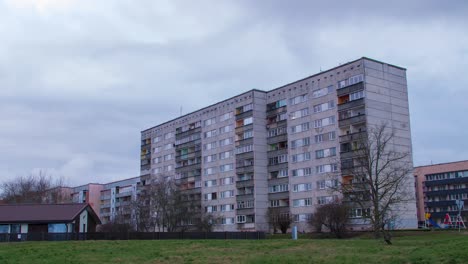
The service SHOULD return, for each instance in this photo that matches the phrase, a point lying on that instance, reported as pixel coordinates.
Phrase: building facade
(278, 148)
(116, 198)
(437, 188)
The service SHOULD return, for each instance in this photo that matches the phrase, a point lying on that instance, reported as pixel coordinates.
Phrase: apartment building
(437, 188)
(88, 193)
(115, 200)
(278, 148)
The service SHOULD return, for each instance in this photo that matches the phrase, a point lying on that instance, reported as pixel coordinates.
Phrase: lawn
(425, 247)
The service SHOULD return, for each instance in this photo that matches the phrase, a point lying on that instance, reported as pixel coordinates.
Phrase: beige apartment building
(437, 188)
(278, 148)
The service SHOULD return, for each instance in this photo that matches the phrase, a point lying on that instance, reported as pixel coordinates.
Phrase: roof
(44, 213)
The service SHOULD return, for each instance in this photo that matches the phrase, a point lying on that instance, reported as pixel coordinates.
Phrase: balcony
(180, 135)
(278, 195)
(241, 129)
(445, 192)
(188, 144)
(276, 139)
(243, 184)
(124, 194)
(352, 120)
(446, 181)
(353, 136)
(351, 104)
(245, 211)
(240, 197)
(440, 203)
(350, 89)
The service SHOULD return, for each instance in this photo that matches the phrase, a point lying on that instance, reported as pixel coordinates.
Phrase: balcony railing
(351, 104)
(352, 120)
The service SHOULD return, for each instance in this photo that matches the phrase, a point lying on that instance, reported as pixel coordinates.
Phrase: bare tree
(35, 188)
(375, 178)
(333, 216)
(279, 219)
(163, 206)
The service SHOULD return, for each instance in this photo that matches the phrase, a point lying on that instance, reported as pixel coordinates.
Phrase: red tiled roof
(27, 213)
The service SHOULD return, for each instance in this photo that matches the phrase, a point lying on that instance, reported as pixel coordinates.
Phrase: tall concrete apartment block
(278, 148)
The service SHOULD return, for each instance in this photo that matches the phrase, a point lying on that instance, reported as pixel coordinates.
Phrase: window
(356, 95)
(322, 92)
(322, 153)
(209, 146)
(157, 170)
(227, 180)
(326, 168)
(167, 157)
(241, 219)
(302, 217)
(226, 207)
(245, 204)
(324, 184)
(211, 133)
(211, 208)
(298, 99)
(248, 121)
(225, 129)
(210, 196)
(300, 113)
(157, 160)
(300, 142)
(225, 142)
(274, 203)
(324, 122)
(244, 149)
(300, 128)
(167, 146)
(278, 188)
(326, 199)
(209, 171)
(227, 221)
(277, 131)
(210, 183)
(210, 158)
(156, 149)
(302, 172)
(302, 187)
(227, 194)
(358, 212)
(302, 202)
(156, 139)
(300, 157)
(168, 168)
(225, 155)
(324, 107)
(169, 135)
(210, 121)
(355, 79)
(245, 135)
(245, 108)
(225, 116)
(278, 159)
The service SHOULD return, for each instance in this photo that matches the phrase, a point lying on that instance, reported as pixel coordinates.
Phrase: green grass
(423, 247)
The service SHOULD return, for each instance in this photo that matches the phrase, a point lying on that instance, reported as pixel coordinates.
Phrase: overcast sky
(79, 79)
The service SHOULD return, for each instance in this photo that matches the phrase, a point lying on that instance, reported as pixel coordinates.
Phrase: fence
(129, 236)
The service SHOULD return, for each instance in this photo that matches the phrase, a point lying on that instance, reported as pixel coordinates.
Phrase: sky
(79, 79)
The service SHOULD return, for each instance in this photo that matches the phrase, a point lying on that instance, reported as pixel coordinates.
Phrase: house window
(210, 121)
(298, 99)
(241, 219)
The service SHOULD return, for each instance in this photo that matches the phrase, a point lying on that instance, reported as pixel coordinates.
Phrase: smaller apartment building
(116, 198)
(438, 187)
